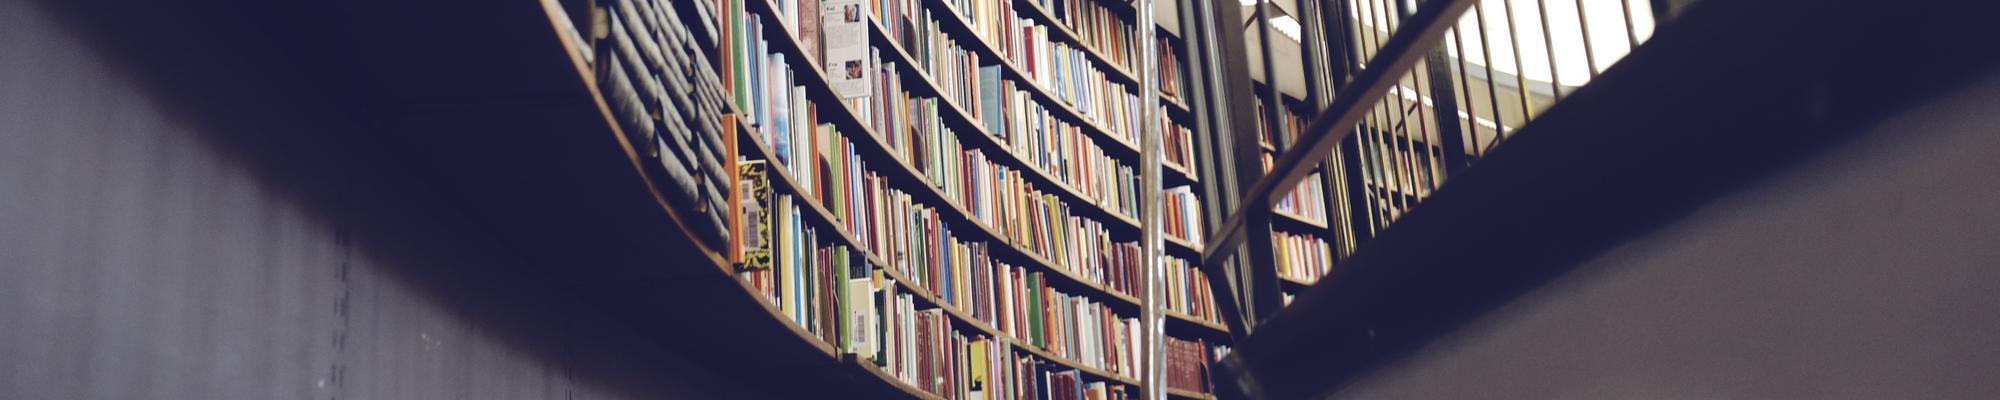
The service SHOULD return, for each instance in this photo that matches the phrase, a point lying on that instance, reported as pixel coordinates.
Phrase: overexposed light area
(1563, 30)
(1286, 25)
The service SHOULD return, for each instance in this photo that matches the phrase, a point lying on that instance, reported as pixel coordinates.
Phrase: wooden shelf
(966, 320)
(1061, 31)
(1175, 104)
(1183, 394)
(1292, 282)
(1190, 320)
(930, 191)
(1066, 362)
(956, 21)
(896, 386)
(983, 138)
(1056, 105)
(1299, 221)
(749, 139)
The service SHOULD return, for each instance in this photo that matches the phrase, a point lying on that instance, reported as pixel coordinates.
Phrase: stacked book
(1180, 214)
(1040, 380)
(935, 53)
(668, 101)
(1073, 327)
(1187, 364)
(1187, 290)
(1098, 27)
(1071, 78)
(1059, 147)
(1177, 142)
(923, 350)
(1170, 68)
(1302, 257)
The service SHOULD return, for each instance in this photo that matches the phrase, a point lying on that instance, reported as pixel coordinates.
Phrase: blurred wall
(1870, 272)
(196, 228)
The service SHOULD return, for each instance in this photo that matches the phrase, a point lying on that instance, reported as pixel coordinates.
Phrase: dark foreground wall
(195, 228)
(1870, 272)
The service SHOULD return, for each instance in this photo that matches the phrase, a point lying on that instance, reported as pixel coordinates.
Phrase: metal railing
(1416, 90)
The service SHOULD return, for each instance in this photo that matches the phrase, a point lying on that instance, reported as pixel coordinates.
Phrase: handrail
(1397, 56)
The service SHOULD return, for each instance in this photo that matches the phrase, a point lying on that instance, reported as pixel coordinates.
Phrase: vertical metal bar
(1228, 86)
(1631, 29)
(1520, 69)
(1492, 78)
(1264, 278)
(1464, 86)
(1450, 141)
(1335, 172)
(1430, 115)
(1583, 24)
(1153, 380)
(1549, 44)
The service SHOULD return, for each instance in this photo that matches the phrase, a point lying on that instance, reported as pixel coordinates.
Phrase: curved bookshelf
(984, 139)
(737, 309)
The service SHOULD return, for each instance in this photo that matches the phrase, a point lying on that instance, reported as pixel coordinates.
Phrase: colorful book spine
(1177, 142)
(1104, 30)
(937, 54)
(1171, 77)
(1180, 214)
(1076, 328)
(1188, 363)
(1303, 257)
(1187, 291)
(1063, 150)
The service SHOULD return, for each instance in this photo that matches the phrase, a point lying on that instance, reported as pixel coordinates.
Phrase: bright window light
(1286, 25)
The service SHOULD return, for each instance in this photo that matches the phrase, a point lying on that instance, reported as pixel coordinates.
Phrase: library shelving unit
(967, 229)
(979, 203)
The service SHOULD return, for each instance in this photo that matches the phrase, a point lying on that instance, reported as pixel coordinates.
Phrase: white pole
(1155, 367)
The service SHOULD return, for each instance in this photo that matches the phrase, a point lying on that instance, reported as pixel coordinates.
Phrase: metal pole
(1154, 381)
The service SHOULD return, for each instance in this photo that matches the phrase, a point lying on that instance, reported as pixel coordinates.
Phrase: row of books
(1039, 380)
(1060, 148)
(1307, 200)
(916, 30)
(1186, 290)
(1180, 214)
(1188, 363)
(1071, 78)
(917, 241)
(834, 293)
(1176, 141)
(1074, 327)
(914, 238)
(766, 87)
(913, 128)
(668, 100)
(788, 263)
(922, 350)
(1300, 256)
(1170, 67)
(1098, 27)
(803, 17)
(1061, 69)
(1290, 125)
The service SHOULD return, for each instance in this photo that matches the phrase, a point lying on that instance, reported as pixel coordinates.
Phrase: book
(1300, 256)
